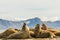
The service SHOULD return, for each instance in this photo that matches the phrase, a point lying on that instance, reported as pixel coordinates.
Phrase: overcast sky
(25, 9)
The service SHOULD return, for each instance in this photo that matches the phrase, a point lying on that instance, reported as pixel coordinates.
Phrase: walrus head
(44, 27)
(25, 27)
(37, 28)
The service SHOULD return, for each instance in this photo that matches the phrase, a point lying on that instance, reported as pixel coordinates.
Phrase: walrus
(25, 28)
(23, 34)
(7, 32)
(37, 30)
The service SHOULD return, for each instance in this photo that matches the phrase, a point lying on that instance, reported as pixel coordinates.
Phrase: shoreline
(35, 39)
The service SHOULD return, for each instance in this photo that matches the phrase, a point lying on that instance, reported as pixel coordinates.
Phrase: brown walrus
(7, 32)
(37, 30)
(25, 28)
(21, 35)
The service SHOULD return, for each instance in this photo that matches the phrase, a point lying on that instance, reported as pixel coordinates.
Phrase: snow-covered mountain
(55, 24)
(4, 24)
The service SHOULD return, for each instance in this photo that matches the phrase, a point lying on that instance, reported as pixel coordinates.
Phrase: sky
(25, 9)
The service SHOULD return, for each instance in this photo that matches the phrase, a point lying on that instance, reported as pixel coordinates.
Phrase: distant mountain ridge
(17, 24)
(55, 24)
(4, 24)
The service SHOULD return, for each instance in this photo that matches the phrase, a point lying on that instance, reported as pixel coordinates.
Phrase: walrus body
(46, 34)
(7, 33)
(21, 35)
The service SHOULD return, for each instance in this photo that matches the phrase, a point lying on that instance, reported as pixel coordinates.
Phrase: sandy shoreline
(35, 39)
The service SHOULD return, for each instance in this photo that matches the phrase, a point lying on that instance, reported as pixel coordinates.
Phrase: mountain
(33, 21)
(5, 24)
(55, 24)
